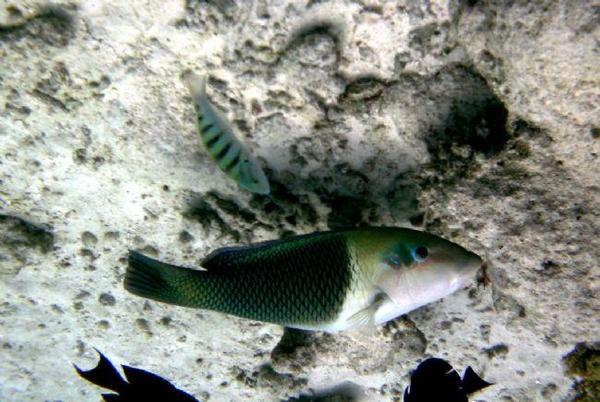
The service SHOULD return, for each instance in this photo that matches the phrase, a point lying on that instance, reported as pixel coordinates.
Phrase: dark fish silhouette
(436, 380)
(141, 385)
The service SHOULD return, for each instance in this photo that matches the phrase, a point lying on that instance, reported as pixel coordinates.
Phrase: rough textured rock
(476, 120)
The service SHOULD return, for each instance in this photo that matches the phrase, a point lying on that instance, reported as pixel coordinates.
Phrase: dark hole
(417, 220)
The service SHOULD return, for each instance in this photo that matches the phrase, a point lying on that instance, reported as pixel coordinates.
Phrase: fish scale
(256, 279)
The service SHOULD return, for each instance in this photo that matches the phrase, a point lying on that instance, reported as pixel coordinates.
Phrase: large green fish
(328, 281)
(227, 151)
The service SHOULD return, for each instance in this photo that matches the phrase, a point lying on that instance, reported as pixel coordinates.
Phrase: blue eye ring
(420, 253)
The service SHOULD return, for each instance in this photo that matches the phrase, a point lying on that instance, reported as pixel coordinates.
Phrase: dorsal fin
(232, 257)
(472, 382)
(222, 257)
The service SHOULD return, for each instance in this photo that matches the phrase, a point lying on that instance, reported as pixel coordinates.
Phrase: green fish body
(232, 157)
(328, 281)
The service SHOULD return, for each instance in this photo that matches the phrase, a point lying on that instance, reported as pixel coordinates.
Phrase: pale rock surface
(474, 120)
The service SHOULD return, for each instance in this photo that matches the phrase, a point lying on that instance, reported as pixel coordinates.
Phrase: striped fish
(328, 281)
(227, 151)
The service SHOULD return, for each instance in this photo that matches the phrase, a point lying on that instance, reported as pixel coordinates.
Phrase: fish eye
(421, 253)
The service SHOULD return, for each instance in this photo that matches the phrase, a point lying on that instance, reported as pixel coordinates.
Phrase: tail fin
(195, 83)
(163, 282)
(141, 385)
(104, 375)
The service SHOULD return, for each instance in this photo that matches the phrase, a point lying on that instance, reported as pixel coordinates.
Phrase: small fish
(141, 385)
(326, 281)
(436, 380)
(228, 152)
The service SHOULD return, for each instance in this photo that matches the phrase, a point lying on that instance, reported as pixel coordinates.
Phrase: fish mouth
(475, 261)
(472, 266)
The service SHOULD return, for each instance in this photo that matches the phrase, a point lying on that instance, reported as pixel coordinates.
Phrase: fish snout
(475, 262)
(471, 265)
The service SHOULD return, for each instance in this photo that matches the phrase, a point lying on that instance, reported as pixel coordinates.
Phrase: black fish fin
(137, 376)
(104, 375)
(113, 398)
(471, 382)
(154, 385)
(157, 280)
(407, 397)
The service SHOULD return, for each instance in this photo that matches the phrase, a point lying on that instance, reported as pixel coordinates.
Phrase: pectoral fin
(365, 318)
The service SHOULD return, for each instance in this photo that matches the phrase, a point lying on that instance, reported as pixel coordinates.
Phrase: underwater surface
(294, 200)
